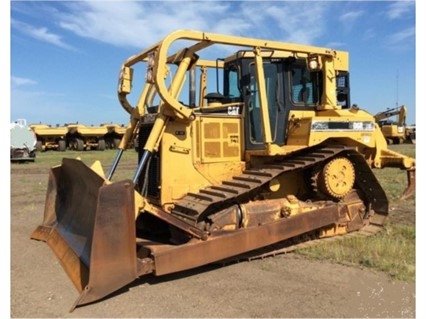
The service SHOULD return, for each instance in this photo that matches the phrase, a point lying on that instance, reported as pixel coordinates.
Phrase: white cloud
(297, 22)
(401, 37)
(351, 16)
(369, 34)
(399, 9)
(138, 24)
(348, 20)
(17, 81)
(41, 33)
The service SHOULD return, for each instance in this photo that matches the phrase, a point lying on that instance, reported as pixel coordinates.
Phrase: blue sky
(66, 55)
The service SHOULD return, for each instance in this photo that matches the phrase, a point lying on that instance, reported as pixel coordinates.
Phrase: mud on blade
(90, 227)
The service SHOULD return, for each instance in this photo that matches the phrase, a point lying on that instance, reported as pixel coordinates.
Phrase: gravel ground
(287, 285)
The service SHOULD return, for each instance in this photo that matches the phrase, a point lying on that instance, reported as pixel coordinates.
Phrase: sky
(66, 55)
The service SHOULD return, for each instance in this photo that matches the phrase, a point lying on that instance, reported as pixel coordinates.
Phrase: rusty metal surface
(355, 227)
(75, 206)
(194, 206)
(68, 221)
(91, 229)
(179, 223)
(222, 245)
(302, 242)
(113, 251)
(70, 262)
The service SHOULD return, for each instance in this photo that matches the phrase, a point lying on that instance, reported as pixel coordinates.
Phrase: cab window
(304, 86)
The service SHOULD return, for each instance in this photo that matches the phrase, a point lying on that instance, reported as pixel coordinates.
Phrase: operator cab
(290, 85)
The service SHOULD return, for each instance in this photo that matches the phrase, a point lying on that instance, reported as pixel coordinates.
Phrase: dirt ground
(287, 285)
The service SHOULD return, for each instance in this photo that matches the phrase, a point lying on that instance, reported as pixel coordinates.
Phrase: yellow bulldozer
(263, 148)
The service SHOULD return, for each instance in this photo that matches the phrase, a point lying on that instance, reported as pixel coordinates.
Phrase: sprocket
(335, 179)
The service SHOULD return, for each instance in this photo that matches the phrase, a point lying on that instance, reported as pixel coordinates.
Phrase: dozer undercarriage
(280, 157)
(117, 253)
(217, 223)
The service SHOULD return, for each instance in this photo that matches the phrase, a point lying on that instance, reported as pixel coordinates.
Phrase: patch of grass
(106, 157)
(394, 181)
(52, 158)
(392, 250)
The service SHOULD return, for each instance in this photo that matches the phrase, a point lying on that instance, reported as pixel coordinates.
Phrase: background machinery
(77, 137)
(114, 134)
(50, 137)
(396, 132)
(410, 133)
(22, 142)
(81, 137)
(263, 147)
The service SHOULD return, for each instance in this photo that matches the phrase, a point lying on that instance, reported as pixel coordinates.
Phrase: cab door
(274, 81)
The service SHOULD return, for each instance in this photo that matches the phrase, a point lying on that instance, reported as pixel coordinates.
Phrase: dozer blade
(90, 227)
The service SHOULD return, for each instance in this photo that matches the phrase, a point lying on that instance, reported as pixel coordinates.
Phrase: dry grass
(391, 251)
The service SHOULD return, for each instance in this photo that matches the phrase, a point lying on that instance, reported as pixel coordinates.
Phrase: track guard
(91, 229)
